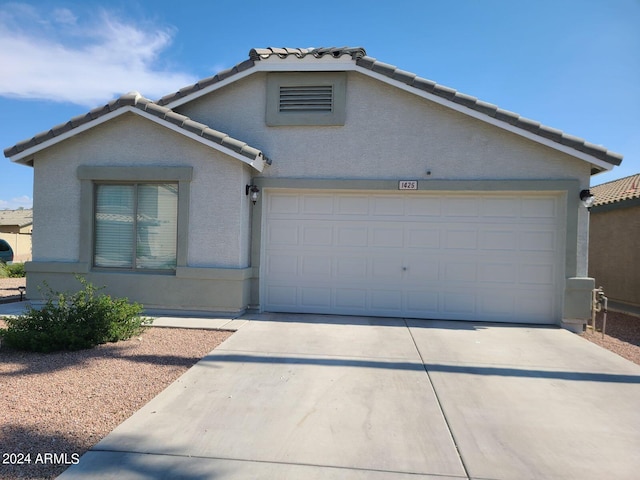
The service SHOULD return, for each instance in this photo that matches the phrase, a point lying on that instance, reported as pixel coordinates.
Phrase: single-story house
(16, 227)
(341, 185)
(614, 240)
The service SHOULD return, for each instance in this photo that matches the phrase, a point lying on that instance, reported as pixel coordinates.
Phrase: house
(16, 227)
(614, 250)
(341, 185)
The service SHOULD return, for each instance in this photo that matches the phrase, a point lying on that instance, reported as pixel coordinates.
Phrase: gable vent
(308, 98)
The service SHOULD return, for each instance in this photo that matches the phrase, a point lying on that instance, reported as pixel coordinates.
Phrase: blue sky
(570, 64)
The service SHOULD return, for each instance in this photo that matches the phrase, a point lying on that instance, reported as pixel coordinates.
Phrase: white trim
(258, 163)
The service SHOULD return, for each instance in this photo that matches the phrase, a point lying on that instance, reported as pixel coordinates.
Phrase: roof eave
(600, 165)
(25, 157)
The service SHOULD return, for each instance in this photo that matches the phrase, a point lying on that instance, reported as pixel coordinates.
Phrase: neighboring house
(614, 240)
(376, 192)
(16, 227)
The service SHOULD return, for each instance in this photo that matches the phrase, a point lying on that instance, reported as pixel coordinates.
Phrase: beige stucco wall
(389, 134)
(614, 253)
(20, 241)
(219, 212)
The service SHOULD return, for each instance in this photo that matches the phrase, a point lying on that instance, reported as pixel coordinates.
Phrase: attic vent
(306, 98)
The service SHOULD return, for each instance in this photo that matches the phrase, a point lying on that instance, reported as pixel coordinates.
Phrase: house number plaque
(408, 185)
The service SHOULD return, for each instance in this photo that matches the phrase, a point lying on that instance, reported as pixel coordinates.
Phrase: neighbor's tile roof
(134, 99)
(21, 218)
(359, 55)
(617, 190)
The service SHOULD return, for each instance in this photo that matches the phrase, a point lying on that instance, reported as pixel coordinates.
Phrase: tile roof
(359, 56)
(616, 191)
(21, 218)
(134, 99)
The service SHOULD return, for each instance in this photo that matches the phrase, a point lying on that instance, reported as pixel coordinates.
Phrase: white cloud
(15, 203)
(62, 56)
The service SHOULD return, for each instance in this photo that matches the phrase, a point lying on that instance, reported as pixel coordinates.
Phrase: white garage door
(474, 256)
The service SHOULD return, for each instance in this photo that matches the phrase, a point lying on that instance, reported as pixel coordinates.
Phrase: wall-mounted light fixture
(254, 191)
(586, 197)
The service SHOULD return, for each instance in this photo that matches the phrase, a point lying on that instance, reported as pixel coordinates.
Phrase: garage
(482, 256)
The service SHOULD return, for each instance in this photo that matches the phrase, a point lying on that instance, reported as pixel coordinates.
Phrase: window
(314, 98)
(136, 225)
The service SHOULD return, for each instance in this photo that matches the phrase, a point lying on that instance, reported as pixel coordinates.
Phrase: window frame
(134, 246)
(90, 176)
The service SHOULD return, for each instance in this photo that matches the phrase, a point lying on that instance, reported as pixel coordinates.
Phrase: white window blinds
(136, 226)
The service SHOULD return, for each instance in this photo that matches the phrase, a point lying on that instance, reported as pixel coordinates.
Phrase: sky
(573, 65)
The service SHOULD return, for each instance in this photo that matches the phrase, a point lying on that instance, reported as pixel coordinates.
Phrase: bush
(14, 270)
(74, 321)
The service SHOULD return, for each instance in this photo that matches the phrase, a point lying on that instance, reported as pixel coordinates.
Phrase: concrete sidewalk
(309, 396)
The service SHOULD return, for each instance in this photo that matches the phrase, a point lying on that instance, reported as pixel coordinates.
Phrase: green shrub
(14, 270)
(74, 321)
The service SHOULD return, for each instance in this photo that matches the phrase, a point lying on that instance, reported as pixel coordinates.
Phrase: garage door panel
(461, 206)
(385, 268)
(387, 237)
(423, 238)
(459, 303)
(498, 273)
(278, 265)
(352, 205)
(281, 296)
(538, 241)
(505, 240)
(352, 236)
(282, 234)
(387, 301)
(463, 272)
(352, 268)
(422, 302)
(286, 204)
(499, 207)
(493, 257)
(388, 206)
(320, 235)
(316, 267)
(315, 297)
(423, 207)
(351, 298)
(317, 205)
(457, 239)
(536, 274)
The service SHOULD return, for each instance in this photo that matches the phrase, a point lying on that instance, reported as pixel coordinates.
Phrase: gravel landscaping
(64, 403)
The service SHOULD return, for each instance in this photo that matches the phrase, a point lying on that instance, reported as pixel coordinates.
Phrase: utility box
(576, 311)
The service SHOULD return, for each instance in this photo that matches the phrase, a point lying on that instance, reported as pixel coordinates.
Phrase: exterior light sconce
(254, 191)
(586, 197)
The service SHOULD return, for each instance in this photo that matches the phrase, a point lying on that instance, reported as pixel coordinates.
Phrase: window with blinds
(136, 226)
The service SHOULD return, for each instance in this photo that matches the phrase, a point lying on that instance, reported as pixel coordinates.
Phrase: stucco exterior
(615, 253)
(390, 133)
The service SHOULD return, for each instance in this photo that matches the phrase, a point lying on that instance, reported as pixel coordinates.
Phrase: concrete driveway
(325, 397)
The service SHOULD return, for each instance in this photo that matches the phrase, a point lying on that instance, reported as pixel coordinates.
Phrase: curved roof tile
(134, 99)
(616, 191)
(359, 56)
